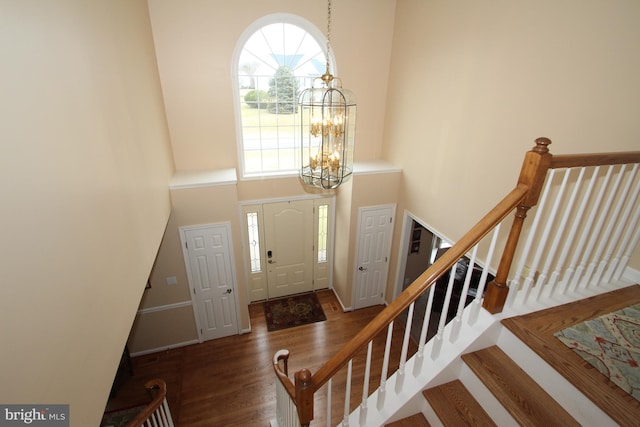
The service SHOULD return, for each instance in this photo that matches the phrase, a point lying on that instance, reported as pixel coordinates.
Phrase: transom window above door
(276, 58)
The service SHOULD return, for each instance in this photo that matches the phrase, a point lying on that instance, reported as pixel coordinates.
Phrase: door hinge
(385, 259)
(186, 245)
(390, 220)
(201, 331)
(194, 291)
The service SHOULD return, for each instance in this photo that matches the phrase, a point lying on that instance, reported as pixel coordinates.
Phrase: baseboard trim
(164, 348)
(631, 274)
(165, 307)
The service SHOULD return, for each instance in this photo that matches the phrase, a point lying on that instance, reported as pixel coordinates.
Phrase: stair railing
(298, 396)
(156, 413)
(584, 229)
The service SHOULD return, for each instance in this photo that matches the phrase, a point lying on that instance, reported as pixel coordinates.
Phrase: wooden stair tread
(455, 405)
(417, 420)
(520, 395)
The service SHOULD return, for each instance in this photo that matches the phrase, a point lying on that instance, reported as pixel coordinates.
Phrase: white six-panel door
(208, 254)
(372, 255)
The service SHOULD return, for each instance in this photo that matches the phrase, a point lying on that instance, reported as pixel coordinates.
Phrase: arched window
(276, 57)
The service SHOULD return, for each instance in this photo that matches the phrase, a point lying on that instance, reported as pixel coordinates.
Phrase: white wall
(84, 168)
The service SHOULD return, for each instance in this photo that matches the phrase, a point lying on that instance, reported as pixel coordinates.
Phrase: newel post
(304, 396)
(533, 173)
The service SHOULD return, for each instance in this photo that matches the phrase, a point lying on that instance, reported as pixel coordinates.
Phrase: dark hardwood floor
(230, 381)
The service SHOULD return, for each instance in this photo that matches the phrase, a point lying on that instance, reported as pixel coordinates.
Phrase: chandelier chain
(328, 32)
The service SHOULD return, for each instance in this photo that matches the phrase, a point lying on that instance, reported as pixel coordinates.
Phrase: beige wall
(84, 168)
(195, 41)
(474, 83)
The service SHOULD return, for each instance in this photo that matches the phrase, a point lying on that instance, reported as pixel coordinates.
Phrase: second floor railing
(156, 413)
(575, 241)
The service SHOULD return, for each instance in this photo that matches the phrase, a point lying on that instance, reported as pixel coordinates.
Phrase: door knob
(361, 268)
(228, 291)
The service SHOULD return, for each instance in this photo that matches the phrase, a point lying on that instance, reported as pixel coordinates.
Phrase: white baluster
(329, 403)
(629, 249)
(437, 340)
(577, 220)
(419, 358)
(579, 250)
(610, 237)
(598, 236)
(405, 347)
(365, 386)
(533, 236)
(555, 275)
(457, 321)
(477, 302)
(385, 368)
(585, 269)
(627, 236)
(550, 222)
(347, 397)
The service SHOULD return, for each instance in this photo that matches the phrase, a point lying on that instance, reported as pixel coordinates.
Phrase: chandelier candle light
(328, 120)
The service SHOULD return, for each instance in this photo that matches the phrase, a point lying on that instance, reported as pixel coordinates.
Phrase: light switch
(171, 280)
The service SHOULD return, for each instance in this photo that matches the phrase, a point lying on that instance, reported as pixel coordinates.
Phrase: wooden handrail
(534, 170)
(602, 159)
(157, 388)
(283, 374)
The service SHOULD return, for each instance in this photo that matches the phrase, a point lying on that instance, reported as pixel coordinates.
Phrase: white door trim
(185, 253)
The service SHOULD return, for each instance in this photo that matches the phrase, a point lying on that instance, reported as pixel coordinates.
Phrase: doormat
(611, 344)
(293, 311)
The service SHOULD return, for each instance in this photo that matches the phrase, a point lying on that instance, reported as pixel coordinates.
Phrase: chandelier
(327, 128)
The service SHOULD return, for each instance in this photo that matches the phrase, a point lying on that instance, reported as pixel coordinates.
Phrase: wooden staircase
(521, 399)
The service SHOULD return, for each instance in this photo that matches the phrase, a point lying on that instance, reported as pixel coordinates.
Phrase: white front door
(372, 256)
(288, 248)
(212, 280)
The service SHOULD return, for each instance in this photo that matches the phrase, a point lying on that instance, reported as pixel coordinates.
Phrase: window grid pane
(276, 62)
(322, 232)
(254, 241)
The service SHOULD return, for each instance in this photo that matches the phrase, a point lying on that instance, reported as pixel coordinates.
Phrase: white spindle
(599, 238)
(533, 235)
(542, 247)
(437, 340)
(621, 226)
(628, 250)
(385, 369)
(477, 302)
(347, 397)
(329, 403)
(575, 268)
(417, 366)
(286, 410)
(610, 237)
(405, 348)
(577, 220)
(555, 275)
(457, 321)
(365, 386)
